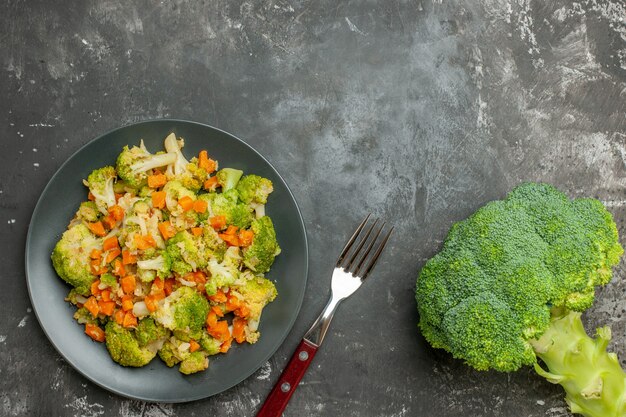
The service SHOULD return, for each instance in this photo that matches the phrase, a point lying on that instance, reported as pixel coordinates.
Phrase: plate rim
(147, 398)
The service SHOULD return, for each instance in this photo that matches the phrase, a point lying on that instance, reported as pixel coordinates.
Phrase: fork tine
(350, 241)
(366, 252)
(357, 251)
(374, 258)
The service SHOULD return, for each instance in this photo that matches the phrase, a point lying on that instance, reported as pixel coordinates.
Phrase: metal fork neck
(318, 330)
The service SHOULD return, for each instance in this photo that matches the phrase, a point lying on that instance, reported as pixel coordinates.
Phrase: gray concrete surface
(419, 111)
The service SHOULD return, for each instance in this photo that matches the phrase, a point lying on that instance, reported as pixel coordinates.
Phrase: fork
(355, 263)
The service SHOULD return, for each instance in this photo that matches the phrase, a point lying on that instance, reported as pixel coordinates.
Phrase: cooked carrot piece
(151, 303)
(127, 302)
(129, 320)
(95, 332)
(128, 284)
(117, 212)
(218, 222)
(196, 231)
(113, 253)
(110, 243)
(118, 268)
(158, 284)
(219, 297)
(96, 269)
(118, 196)
(211, 184)
(226, 345)
(168, 286)
(199, 277)
(193, 345)
(200, 206)
(242, 311)
(167, 230)
(219, 330)
(95, 254)
(231, 230)
(106, 307)
(158, 199)
(245, 238)
(218, 311)
(92, 306)
(118, 316)
(233, 303)
(106, 295)
(97, 228)
(149, 240)
(239, 326)
(91, 197)
(231, 240)
(128, 258)
(94, 287)
(186, 203)
(109, 222)
(206, 163)
(144, 242)
(211, 319)
(156, 181)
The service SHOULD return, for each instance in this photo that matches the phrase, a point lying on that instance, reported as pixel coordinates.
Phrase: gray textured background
(419, 111)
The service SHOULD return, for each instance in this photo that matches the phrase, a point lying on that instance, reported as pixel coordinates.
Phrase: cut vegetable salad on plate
(167, 257)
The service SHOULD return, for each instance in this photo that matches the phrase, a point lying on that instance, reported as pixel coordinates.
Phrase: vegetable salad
(167, 257)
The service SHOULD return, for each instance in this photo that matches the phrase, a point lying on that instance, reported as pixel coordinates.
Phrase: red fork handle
(276, 402)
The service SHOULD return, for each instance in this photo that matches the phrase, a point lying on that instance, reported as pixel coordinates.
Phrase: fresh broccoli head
(195, 362)
(100, 183)
(70, 257)
(509, 283)
(254, 189)
(88, 211)
(227, 204)
(148, 331)
(228, 178)
(124, 347)
(259, 256)
(133, 164)
(184, 309)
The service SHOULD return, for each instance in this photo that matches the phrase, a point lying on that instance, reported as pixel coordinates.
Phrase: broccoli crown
(149, 331)
(184, 253)
(159, 261)
(88, 211)
(133, 164)
(227, 204)
(70, 257)
(491, 287)
(193, 177)
(254, 189)
(100, 183)
(257, 292)
(124, 347)
(185, 309)
(174, 191)
(195, 362)
(228, 178)
(168, 354)
(259, 256)
(210, 344)
(223, 273)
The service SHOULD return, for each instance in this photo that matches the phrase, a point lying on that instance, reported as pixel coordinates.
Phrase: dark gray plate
(157, 382)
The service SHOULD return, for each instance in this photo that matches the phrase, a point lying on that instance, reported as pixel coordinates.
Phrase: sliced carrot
(128, 284)
(110, 243)
(211, 184)
(151, 302)
(196, 231)
(156, 181)
(193, 345)
(200, 206)
(118, 316)
(231, 240)
(106, 307)
(127, 302)
(129, 320)
(128, 258)
(118, 196)
(106, 295)
(219, 330)
(158, 199)
(95, 254)
(97, 228)
(211, 319)
(245, 238)
(144, 242)
(113, 253)
(158, 284)
(218, 311)
(92, 306)
(118, 268)
(109, 222)
(168, 286)
(95, 332)
(96, 269)
(199, 277)
(239, 326)
(242, 311)
(117, 212)
(233, 303)
(219, 297)
(94, 287)
(206, 163)
(218, 222)
(91, 197)
(186, 203)
(167, 230)
(226, 345)
(231, 230)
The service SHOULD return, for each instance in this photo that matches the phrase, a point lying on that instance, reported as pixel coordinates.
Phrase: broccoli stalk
(134, 163)
(509, 285)
(228, 178)
(100, 183)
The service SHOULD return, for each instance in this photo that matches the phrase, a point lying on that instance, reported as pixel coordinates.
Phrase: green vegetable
(184, 309)
(88, 211)
(149, 331)
(167, 353)
(227, 204)
(124, 348)
(228, 178)
(195, 362)
(257, 293)
(254, 189)
(259, 256)
(70, 257)
(133, 164)
(508, 287)
(100, 183)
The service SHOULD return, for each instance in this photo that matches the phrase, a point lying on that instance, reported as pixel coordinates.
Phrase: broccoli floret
(100, 183)
(228, 178)
(124, 347)
(227, 204)
(184, 309)
(148, 331)
(109, 280)
(70, 257)
(174, 191)
(188, 173)
(167, 353)
(254, 189)
(88, 211)
(259, 256)
(257, 292)
(133, 164)
(184, 253)
(195, 362)
(82, 316)
(223, 273)
(209, 344)
(510, 282)
(157, 262)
